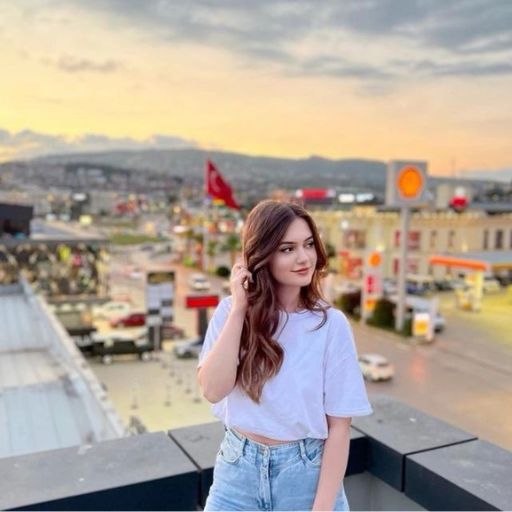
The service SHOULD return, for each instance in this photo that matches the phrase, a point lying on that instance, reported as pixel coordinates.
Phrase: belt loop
(302, 448)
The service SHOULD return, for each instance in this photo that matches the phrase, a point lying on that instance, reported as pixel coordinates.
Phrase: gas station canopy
(478, 261)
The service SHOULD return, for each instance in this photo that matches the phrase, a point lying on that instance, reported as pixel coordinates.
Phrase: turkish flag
(217, 187)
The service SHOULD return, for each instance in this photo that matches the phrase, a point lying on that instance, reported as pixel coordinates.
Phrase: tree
(211, 251)
(233, 245)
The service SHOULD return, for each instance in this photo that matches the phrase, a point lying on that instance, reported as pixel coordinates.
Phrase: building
(363, 229)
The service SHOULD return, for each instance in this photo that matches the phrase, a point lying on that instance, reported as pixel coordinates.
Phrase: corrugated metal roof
(49, 397)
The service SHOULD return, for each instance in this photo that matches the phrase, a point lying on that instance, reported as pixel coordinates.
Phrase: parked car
(173, 332)
(443, 285)
(199, 282)
(417, 284)
(389, 287)
(491, 285)
(111, 310)
(136, 273)
(106, 345)
(376, 367)
(189, 349)
(347, 287)
(130, 320)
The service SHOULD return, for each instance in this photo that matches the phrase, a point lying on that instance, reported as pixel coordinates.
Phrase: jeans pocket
(313, 452)
(229, 452)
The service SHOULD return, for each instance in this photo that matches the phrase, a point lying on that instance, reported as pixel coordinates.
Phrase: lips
(301, 270)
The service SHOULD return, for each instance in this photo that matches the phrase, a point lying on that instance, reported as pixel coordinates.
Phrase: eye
(311, 244)
(286, 249)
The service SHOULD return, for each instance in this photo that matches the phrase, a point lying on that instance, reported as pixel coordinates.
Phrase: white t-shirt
(320, 375)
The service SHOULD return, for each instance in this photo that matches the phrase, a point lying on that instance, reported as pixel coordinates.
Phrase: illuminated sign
(406, 183)
(201, 301)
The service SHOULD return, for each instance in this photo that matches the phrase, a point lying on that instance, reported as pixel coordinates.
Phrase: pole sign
(421, 325)
(406, 187)
(159, 303)
(372, 283)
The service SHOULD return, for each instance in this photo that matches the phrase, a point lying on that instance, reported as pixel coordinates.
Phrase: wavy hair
(261, 356)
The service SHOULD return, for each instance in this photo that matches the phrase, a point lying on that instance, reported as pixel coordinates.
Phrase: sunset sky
(386, 79)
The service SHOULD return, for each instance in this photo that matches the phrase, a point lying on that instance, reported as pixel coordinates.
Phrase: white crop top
(320, 375)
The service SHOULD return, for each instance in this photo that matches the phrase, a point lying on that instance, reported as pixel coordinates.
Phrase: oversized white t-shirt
(320, 375)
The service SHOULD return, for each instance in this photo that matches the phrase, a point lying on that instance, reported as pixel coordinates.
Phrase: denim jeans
(254, 476)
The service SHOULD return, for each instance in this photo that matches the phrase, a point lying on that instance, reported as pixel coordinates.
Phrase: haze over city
(381, 80)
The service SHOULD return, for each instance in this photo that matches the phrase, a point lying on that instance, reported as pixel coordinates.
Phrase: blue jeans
(253, 476)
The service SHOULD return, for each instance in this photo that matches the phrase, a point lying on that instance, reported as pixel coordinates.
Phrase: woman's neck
(289, 298)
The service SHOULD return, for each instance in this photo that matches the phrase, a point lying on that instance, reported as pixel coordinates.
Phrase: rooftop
(49, 397)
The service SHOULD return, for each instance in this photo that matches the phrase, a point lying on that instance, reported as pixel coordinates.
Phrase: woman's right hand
(238, 281)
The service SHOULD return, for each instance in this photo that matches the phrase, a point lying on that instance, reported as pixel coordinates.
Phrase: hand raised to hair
(238, 282)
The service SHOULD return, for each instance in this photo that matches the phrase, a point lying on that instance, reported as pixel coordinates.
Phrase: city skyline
(376, 80)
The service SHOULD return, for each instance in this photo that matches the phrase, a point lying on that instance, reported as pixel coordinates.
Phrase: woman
(280, 366)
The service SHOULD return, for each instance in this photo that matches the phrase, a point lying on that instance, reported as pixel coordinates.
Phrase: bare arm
(334, 463)
(217, 375)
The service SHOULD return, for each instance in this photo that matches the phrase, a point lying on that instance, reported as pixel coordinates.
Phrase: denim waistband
(278, 453)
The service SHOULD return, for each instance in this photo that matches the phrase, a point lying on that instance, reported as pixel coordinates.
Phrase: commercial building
(360, 230)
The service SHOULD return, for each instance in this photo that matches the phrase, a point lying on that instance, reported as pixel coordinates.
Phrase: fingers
(240, 272)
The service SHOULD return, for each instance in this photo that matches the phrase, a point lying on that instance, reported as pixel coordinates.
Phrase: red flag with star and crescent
(217, 187)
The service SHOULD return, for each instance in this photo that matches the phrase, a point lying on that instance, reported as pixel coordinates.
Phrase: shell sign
(407, 183)
(410, 182)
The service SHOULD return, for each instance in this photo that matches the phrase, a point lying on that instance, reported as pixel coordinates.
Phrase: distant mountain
(244, 172)
(283, 172)
(497, 175)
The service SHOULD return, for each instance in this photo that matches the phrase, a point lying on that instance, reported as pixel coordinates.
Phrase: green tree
(233, 245)
(211, 251)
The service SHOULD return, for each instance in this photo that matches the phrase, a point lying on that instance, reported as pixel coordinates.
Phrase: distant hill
(283, 172)
(504, 175)
(249, 172)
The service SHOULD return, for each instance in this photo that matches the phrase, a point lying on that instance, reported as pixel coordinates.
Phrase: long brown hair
(261, 356)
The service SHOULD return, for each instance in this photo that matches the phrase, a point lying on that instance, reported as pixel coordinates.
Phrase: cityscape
(118, 236)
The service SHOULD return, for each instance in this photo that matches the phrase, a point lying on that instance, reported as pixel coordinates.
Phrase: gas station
(474, 266)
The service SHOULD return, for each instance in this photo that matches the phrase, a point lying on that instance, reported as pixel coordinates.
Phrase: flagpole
(205, 213)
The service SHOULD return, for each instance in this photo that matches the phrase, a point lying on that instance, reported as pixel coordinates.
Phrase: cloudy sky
(424, 79)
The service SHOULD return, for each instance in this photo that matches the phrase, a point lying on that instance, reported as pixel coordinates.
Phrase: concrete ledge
(145, 472)
(400, 459)
(469, 476)
(201, 444)
(396, 430)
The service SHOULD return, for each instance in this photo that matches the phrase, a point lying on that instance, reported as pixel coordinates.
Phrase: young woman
(280, 366)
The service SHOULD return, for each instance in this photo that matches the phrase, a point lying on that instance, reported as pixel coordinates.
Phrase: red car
(130, 320)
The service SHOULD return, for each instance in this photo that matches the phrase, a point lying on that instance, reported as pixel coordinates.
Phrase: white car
(376, 367)
(199, 282)
(491, 285)
(111, 310)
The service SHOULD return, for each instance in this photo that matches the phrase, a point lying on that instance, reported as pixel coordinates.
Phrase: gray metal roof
(49, 397)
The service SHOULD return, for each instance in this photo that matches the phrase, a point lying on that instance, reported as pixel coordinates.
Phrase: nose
(302, 255)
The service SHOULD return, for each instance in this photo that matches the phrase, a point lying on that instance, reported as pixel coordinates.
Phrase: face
(294, 261)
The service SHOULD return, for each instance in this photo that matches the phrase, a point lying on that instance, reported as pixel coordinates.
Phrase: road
(445, 382)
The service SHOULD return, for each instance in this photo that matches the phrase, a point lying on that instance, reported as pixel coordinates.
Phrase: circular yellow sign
(410, 182)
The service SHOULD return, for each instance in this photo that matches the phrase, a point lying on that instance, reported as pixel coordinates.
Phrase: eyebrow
(293, 243)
